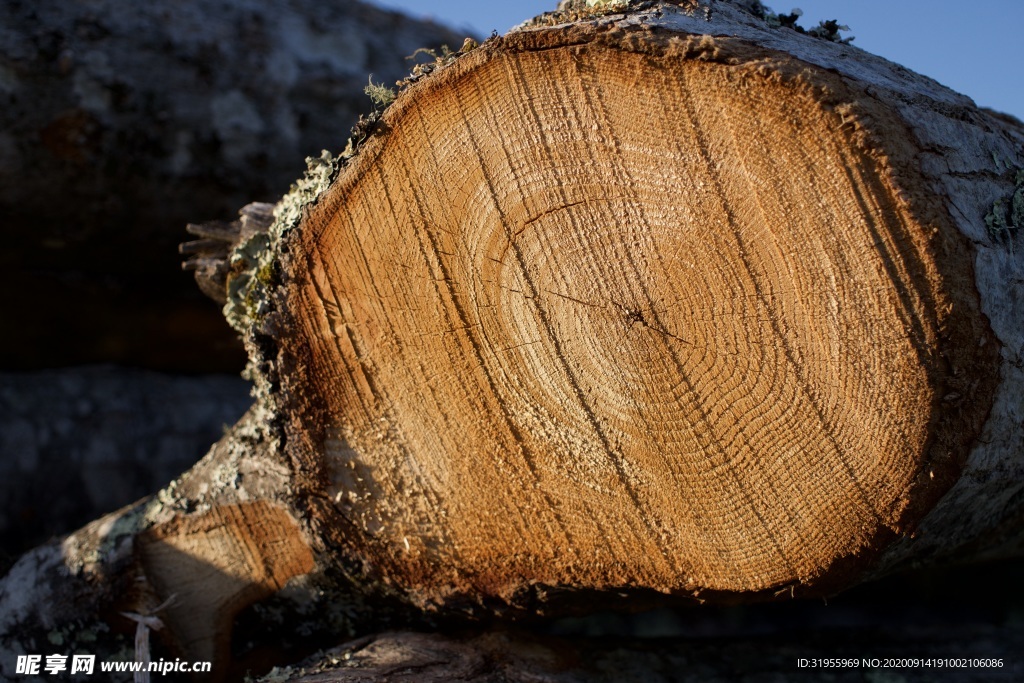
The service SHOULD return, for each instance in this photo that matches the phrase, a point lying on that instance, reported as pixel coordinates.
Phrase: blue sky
(973, 47)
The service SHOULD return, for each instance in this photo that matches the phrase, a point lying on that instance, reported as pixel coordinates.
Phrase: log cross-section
(611, 308)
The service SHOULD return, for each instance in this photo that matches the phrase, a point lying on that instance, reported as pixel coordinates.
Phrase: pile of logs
(623, 309)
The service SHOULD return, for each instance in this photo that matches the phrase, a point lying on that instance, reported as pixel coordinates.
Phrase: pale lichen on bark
(253, 261)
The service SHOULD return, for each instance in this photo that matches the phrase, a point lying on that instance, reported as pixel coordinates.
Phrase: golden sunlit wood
(617, 315)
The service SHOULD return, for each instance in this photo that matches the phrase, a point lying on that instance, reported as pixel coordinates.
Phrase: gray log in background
(78, 442)
(121, 122)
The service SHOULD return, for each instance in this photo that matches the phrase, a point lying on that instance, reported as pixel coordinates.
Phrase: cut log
(631, 303)
(671, 302)
(522, 658)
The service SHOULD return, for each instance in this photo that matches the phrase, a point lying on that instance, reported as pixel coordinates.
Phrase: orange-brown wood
(627, 312)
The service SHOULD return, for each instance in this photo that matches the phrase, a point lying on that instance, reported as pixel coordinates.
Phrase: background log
(522, 657)
(76, 443)
(120, 124)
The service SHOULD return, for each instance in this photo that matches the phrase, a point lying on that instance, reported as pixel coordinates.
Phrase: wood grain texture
(606, 309)
(211, 566)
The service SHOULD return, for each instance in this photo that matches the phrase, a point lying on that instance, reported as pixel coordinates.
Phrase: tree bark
(666, 303)
(518, 657)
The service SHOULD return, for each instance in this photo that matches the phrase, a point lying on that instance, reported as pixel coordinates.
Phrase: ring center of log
(590, 316)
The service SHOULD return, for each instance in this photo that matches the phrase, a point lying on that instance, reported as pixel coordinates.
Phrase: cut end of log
(607, 309)
(209, 567)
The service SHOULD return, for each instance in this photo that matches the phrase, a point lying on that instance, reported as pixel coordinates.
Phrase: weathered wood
(519, 657)
(208, 256)
(666, 303)
(225, 561)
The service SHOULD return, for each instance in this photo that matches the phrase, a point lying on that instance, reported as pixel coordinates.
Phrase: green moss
(436, 61)
(825, 30)
(995, 219)
(1017, 203)
(106, 546)
(80, 636)
(280, 674)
